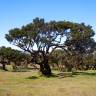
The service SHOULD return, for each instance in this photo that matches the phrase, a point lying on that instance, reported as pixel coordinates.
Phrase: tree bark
(44, 65)
(45, 68)
(3, 67)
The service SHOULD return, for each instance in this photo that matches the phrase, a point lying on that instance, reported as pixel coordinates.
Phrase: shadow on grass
(86, 73)
(32, 68)
(52, 76)
(32, 77)
(3, 69)
(62, 75)
(71, 74)
(65, 75)
(21, 70)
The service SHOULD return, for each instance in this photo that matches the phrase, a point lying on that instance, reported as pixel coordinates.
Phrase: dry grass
(31, 84)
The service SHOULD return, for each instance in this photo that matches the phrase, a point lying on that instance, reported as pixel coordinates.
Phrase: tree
(40, 38)
(8, 55)
(3, 59)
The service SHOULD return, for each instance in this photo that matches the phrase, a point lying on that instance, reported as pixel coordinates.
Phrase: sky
(15, 13)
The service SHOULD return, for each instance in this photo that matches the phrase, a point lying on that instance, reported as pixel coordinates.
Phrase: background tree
(8, 55)
(79, 42)
(3, 59)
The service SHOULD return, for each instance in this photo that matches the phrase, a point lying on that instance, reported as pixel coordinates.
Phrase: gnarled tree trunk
(45, 68)
(41, 58)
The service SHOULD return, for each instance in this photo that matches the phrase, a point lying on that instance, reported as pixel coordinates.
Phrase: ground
(32, 84)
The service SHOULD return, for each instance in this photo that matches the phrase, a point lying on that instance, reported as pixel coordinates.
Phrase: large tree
(40, 38)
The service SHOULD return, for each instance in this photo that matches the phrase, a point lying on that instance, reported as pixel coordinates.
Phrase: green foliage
(41, 38)
(11, 55)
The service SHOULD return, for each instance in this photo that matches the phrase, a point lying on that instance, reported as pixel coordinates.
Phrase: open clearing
(31, 84)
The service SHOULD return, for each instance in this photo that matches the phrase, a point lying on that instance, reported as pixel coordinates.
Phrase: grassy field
(32, 84)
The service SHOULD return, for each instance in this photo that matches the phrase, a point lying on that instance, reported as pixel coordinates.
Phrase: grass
(32, 84)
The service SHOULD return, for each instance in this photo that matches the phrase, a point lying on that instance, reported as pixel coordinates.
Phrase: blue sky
(15, 13)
